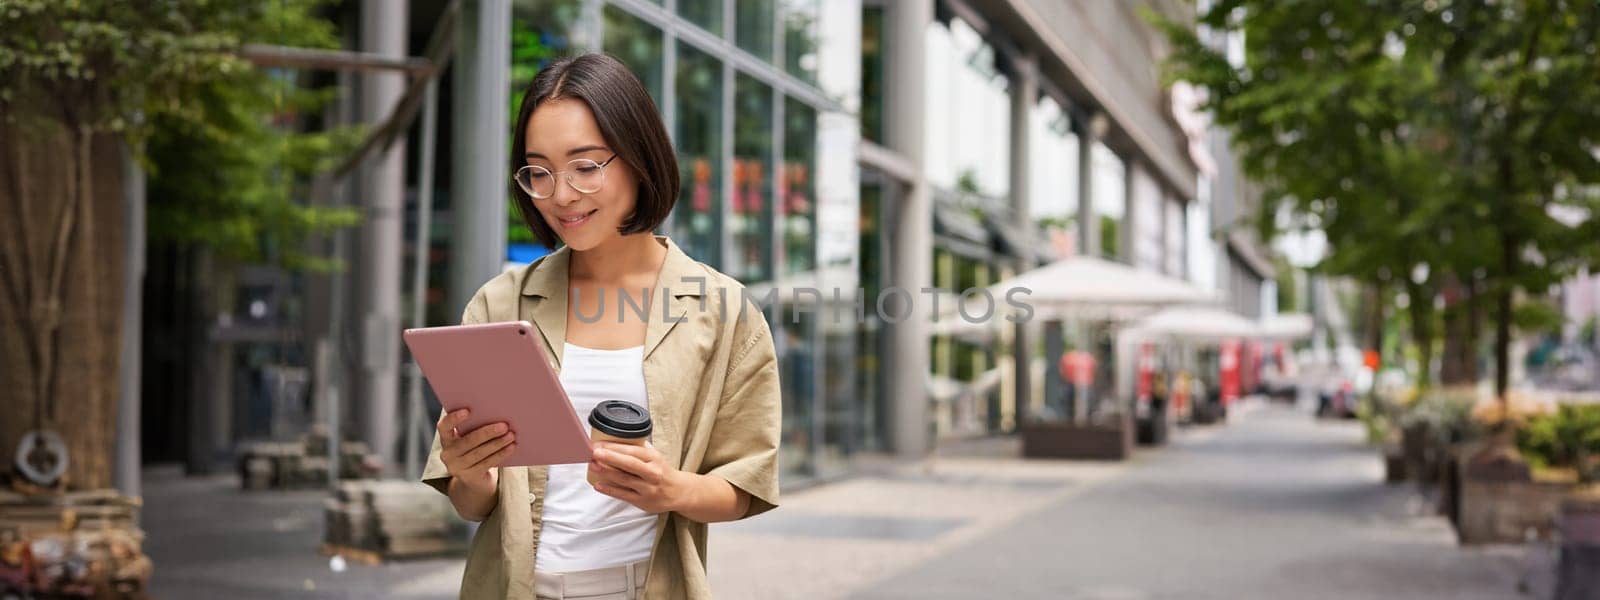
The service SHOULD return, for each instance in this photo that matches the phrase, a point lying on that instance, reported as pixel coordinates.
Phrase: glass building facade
(770, 104)
(743, 89)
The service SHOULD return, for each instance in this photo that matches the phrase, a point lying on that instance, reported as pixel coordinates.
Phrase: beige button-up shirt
(712, 377)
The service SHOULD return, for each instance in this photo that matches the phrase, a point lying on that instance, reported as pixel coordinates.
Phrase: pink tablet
(501, 372)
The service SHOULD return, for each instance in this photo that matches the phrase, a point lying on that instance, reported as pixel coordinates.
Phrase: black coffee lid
(621, 419)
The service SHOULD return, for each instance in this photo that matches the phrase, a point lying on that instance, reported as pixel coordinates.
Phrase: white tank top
(584, 529)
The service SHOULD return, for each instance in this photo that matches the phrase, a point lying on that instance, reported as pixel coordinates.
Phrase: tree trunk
(60, 317)
(1374, 321)
(1463, 318)
(1502, 328)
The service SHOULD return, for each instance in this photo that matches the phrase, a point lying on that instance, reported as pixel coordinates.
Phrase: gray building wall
(1107, 59)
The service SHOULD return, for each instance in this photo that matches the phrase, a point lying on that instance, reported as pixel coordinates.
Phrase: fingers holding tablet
(471, 455)
(448, 422)
(487, 454)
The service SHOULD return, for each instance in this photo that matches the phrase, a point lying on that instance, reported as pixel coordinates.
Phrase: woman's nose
(564, 194)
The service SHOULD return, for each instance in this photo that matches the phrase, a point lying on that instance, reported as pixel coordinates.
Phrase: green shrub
(1570, 437)
(1447, 412)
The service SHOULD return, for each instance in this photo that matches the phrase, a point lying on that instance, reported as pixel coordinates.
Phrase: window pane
(799, 187)
(752, 181)
(872, 97)
(795, 340)
(699, 138)
(638, 45)
(754, 20)
(539, 35)
(1053, 177)
(705, 13)
(1110, 182)
(970, 153)
(871, 345)
(800, 39)
(841, 409)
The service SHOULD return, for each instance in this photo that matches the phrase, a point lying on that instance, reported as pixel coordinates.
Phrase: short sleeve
(744, 443)
(435, 474)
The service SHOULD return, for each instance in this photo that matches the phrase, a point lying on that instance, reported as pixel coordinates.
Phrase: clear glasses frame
(584, 175)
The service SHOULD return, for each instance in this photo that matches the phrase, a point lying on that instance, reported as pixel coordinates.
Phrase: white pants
(615, 583)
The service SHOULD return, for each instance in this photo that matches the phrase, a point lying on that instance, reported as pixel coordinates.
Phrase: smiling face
(559, 131)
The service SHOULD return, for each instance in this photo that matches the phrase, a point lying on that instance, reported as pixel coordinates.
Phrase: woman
(595, 174)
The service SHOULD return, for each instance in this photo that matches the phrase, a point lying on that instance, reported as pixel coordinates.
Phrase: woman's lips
(575, 221)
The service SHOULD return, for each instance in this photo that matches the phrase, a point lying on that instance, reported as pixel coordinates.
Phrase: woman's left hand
(637, 475)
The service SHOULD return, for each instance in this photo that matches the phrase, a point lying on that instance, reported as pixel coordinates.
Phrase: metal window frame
(723, 47)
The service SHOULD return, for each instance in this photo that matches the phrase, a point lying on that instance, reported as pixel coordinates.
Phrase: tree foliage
(1435, 142)
(216, 133)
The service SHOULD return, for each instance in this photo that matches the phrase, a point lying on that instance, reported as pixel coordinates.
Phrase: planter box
(1578, 570)
(1098, 441)
(1499, 503)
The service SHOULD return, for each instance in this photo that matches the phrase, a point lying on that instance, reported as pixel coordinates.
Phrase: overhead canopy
(1286, 326)
(1194, 323)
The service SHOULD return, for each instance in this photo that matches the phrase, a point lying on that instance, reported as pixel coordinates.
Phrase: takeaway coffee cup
(620, 422)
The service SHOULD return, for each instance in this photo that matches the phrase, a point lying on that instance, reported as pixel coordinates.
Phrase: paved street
(1271, 505)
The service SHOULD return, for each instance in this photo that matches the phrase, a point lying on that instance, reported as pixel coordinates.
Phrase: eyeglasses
(582, 174)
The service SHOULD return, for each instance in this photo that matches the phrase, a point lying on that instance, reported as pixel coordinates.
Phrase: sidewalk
(827, 541)
(211, 540)
(1272, 504)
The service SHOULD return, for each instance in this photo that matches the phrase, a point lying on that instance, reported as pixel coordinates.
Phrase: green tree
(81, 82)
(1434, 142)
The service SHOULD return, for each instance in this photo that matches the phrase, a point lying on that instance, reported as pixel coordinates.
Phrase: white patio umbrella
(1081, 287)
(1286, 326)
(1195, 324)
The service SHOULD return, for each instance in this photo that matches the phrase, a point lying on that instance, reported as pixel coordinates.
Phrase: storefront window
(699, 140)
(800, 39)
(872, 334)
(705, 13)
(751, 226)
(799, 190)
(638, 45)
(753, 23)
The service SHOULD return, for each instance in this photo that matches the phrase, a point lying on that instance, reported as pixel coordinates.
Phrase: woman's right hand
(471, 457)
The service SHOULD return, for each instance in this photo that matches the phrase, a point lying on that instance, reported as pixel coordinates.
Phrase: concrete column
(1089, 133)
(382, 193)
(1024, 93)
(480, 170)
(127, 458)
(1133, 224)
(911, 265)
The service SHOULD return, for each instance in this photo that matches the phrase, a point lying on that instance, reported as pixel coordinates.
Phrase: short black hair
(630, 123)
